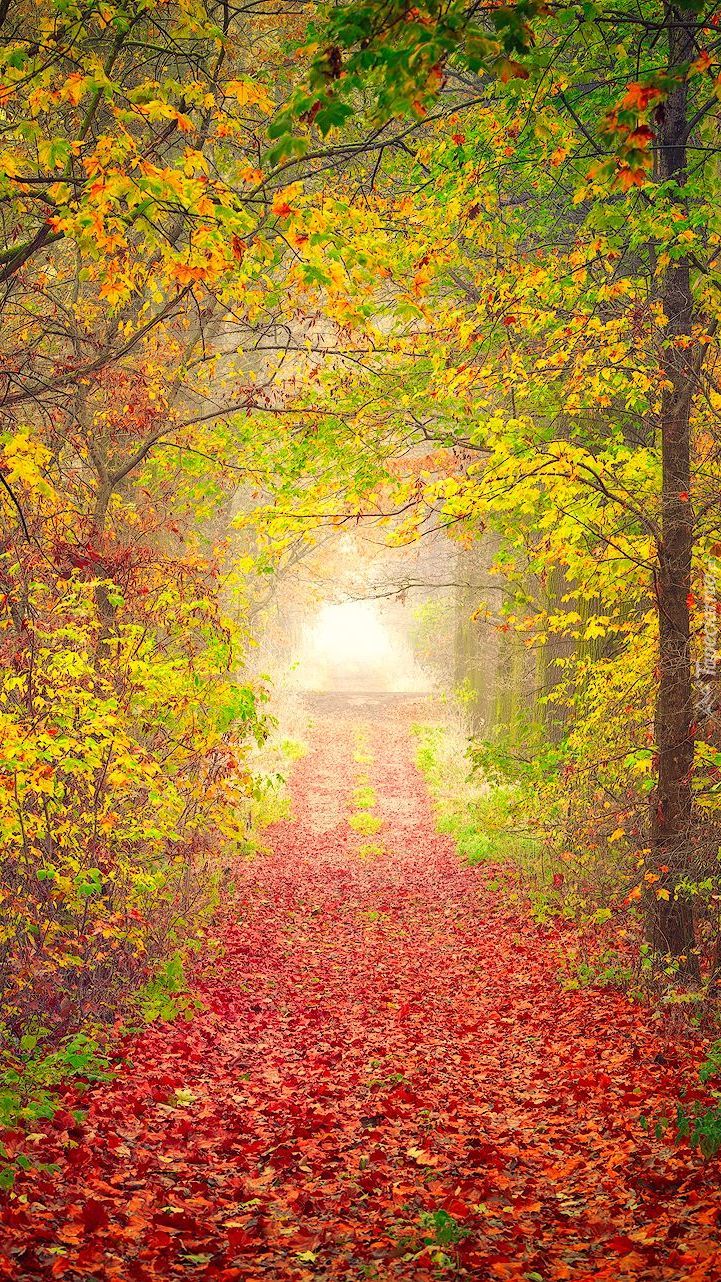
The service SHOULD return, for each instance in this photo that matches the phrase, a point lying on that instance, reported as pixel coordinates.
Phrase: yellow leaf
(114, 290)
(9, 166)
(74, 88)
(422, 1158)
(246, 94)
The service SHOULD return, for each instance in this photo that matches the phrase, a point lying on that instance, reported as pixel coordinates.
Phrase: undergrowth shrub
(32, 1075)
(267, 800)
(116, 800)
(572, 854)
(38, 1061)
(125, 731)
(487, 820)
(500, 810)
(166, 996)
(697, 1116)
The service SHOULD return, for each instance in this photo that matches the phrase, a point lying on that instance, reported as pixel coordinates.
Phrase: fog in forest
(360, 631)
(355, 646)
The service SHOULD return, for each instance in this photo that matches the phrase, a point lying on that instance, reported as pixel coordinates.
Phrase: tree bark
(671, 922)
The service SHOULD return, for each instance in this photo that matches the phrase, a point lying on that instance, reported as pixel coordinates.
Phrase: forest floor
(387, 1080)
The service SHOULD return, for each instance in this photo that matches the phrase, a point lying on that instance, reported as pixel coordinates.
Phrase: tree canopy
(274, 272)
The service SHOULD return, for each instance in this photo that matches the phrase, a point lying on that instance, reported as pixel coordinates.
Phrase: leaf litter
(386, 1080)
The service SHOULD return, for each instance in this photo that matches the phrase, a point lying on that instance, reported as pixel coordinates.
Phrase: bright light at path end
(351, 633)
(349, 647)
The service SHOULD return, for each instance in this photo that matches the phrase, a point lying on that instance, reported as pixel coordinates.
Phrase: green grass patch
(364, 797)
(365, 824)
(370, 850)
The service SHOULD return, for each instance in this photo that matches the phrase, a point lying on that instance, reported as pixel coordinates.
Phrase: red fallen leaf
(456, 1207)
(94, 1215)
(62, 1265)
(63, 1120)
(483, 1154)
(240, 1239)
(516, 1085)
(157, 1240)
(680, 1259)
(282, 1158)
(621, 1244)
(178, 1221)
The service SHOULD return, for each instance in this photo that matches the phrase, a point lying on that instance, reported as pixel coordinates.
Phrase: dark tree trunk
(671, 803)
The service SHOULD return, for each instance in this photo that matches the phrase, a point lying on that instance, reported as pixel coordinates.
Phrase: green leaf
(333, 115)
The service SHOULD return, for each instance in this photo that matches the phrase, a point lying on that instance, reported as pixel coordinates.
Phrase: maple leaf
(281, 205)
(94, 1215)
(629, 177)
(638, 96)
(422, 1157)
(509, 69)
(702, 63)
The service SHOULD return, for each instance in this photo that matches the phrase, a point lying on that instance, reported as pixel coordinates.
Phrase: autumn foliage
(125, 712)
(428, 274)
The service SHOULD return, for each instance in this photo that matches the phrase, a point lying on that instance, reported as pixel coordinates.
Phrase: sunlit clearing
(349, 647)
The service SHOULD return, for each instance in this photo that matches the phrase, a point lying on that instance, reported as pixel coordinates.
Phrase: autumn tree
(136, 232)
(572, 157)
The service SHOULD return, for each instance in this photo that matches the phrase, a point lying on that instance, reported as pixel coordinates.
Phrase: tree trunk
(671, 803)
(103, 604)
(466, 674)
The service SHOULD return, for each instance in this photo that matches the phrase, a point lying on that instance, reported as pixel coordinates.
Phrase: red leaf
(94, 1215)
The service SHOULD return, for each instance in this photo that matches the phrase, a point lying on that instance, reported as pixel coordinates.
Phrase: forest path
(387, 1081)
